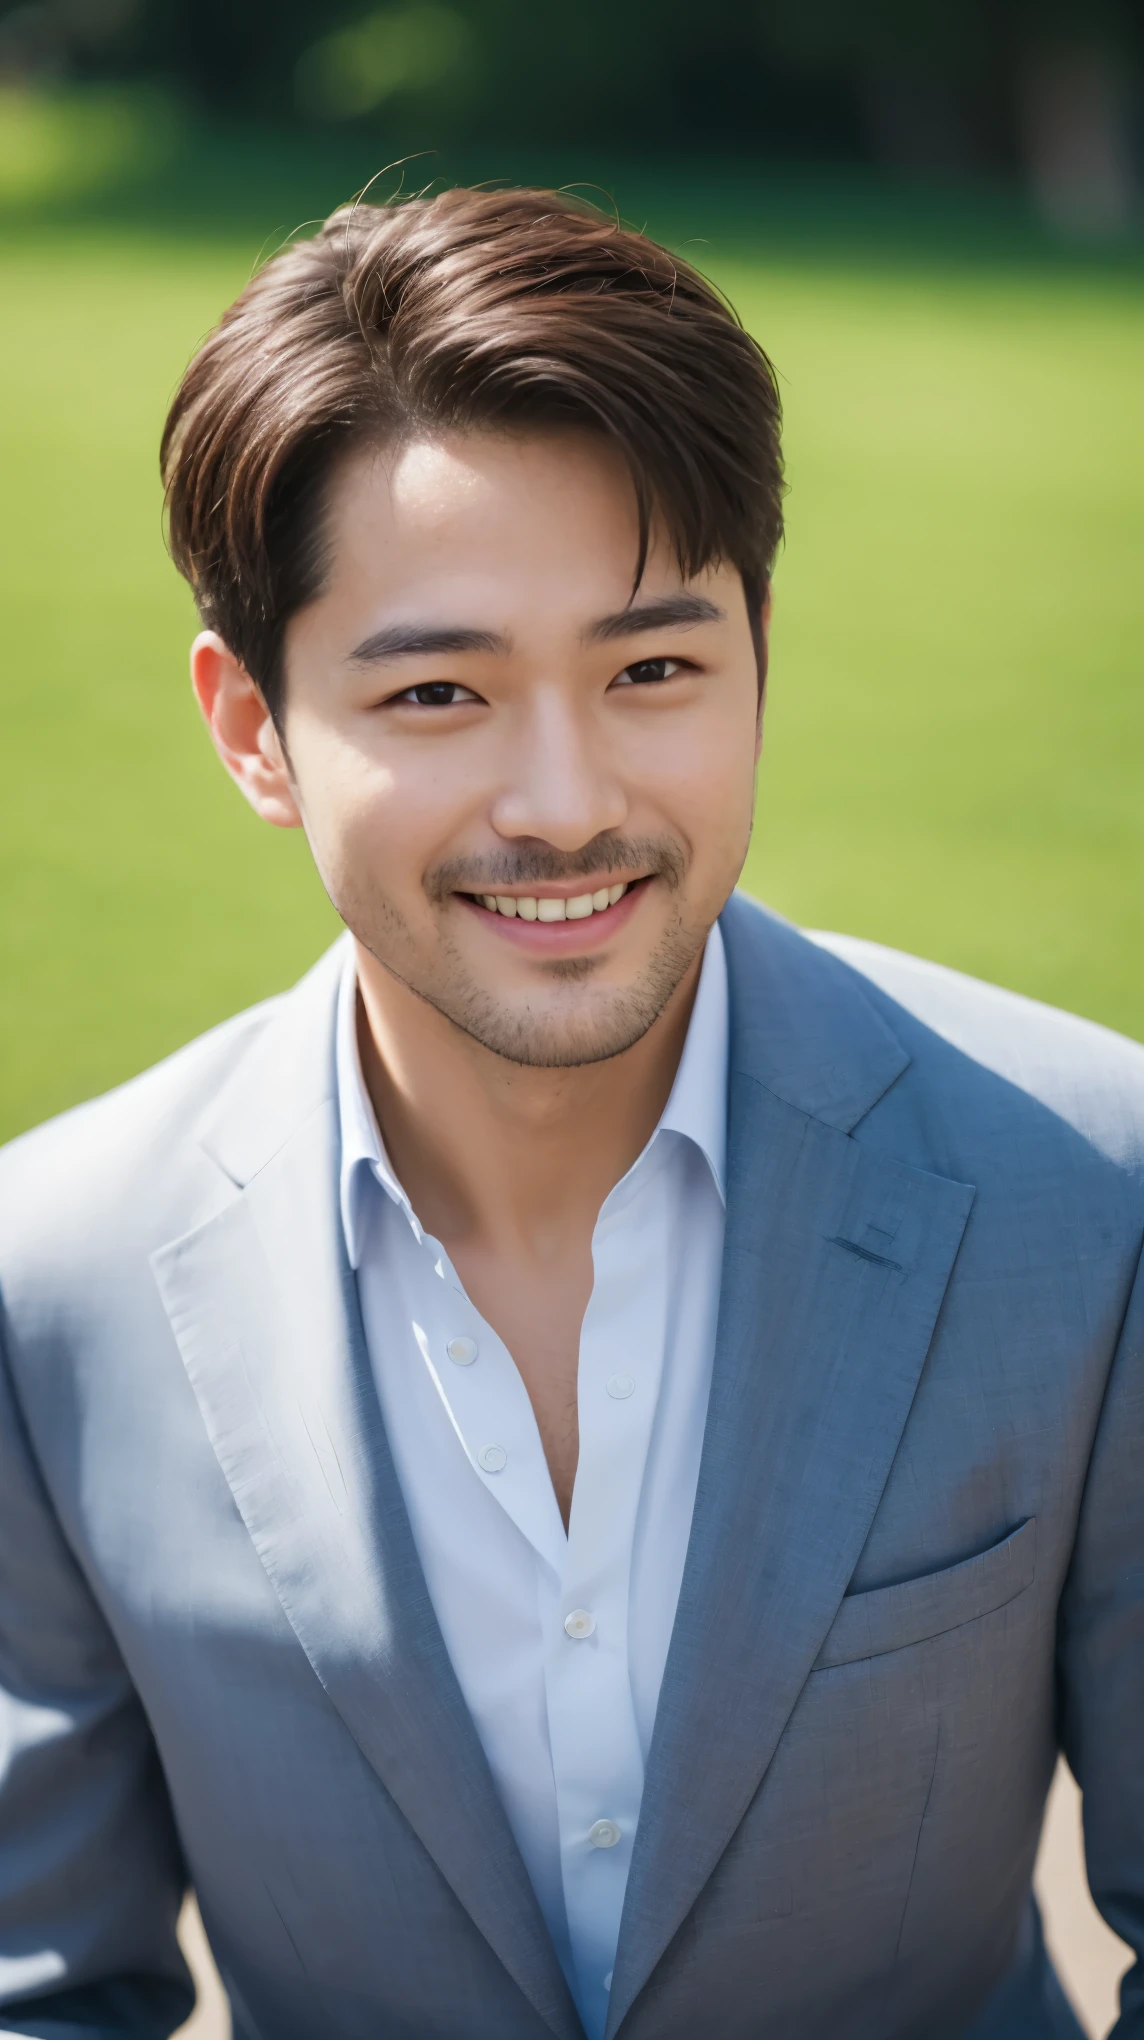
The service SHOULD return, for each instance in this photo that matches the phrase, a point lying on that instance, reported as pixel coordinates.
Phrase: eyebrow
(422, 640)
(667, 612)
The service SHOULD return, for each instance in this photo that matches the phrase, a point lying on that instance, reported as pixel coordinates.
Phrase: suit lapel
(264, 1307)
(836, 1260)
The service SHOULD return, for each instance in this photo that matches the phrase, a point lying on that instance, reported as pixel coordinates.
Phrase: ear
(242, 731)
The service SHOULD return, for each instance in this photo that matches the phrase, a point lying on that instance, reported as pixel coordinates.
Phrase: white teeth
(578, 909)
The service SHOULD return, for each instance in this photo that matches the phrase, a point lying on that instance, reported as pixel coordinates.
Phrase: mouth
(547, 907)
(552, 922)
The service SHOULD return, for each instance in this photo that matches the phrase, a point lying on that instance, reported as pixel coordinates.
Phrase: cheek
(706, 784)
(350, 805)
(376, 823)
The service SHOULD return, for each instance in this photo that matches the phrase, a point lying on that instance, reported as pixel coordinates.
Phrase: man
(572, 1474)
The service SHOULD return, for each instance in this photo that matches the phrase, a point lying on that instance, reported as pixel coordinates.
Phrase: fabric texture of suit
(916, 1566)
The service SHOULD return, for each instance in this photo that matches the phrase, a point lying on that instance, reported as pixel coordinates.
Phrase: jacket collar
(285, 1076)
(804, 1024)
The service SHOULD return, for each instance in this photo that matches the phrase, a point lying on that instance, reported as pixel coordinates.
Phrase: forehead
(506, 516)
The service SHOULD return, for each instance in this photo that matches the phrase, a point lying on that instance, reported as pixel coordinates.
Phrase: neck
(493, 1151)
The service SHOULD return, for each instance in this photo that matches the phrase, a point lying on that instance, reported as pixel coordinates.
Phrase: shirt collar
(363, 1151)
(696, 1108)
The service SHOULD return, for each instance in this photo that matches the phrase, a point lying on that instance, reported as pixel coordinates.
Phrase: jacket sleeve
(1101, 1660)
(91, 1876)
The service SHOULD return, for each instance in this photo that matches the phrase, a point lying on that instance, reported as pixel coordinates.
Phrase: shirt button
(493, 1458)
(620, 1386)
(603, 1834)
(462, 1351)
(579, 1623)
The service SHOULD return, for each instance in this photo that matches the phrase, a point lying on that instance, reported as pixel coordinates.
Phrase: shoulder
(132, 1153)
(952, 1074)
(973, 1043)
(96, 1190)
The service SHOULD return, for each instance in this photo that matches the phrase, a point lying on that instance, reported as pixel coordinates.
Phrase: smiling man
(573, 1473)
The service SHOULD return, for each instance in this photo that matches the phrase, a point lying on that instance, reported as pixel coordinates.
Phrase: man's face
(528, 793)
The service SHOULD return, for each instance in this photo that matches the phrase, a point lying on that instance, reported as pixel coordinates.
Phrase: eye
(436, 694)
(646, 672)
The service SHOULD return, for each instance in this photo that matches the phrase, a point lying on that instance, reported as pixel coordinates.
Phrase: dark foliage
(934, 82)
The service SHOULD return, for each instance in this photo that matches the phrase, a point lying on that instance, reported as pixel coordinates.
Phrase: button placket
(490, 1413)
(577, 1726)
(596, 1750)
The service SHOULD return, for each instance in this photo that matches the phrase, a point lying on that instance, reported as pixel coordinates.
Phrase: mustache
(538, 863)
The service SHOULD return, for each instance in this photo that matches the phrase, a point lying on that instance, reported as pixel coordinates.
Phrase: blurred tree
(1048, 86)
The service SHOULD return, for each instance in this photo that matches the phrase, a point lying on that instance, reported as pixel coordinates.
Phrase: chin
(603, 1029)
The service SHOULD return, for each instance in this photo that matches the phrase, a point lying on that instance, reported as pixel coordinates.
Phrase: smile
(530, 908)
(542, 925)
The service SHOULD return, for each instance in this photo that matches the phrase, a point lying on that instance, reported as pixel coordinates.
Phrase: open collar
(696, 1108)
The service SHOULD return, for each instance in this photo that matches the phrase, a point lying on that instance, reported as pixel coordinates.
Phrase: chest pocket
(889, 1618)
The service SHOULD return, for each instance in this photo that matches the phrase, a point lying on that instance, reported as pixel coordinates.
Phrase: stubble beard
(571, 1029)
(587, 1030)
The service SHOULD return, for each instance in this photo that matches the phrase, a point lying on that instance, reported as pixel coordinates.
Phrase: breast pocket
(889, 1618)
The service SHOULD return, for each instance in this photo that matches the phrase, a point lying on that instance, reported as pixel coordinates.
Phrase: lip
(560, 938)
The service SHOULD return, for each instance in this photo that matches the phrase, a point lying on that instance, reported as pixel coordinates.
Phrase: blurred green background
(956, 723)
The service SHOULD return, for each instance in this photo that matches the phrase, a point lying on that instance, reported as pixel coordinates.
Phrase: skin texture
(567, 735)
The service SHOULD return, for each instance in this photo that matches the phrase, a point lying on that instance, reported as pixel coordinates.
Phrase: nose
(562, 786)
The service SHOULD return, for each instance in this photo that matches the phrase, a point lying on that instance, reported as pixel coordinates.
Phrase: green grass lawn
(957, 722)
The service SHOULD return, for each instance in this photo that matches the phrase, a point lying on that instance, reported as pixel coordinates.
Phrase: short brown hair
(475, 309)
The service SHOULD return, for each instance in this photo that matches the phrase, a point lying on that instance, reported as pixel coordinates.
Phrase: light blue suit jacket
(916, 1567)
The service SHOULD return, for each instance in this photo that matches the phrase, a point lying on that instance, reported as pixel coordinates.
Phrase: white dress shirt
(558, 1641)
